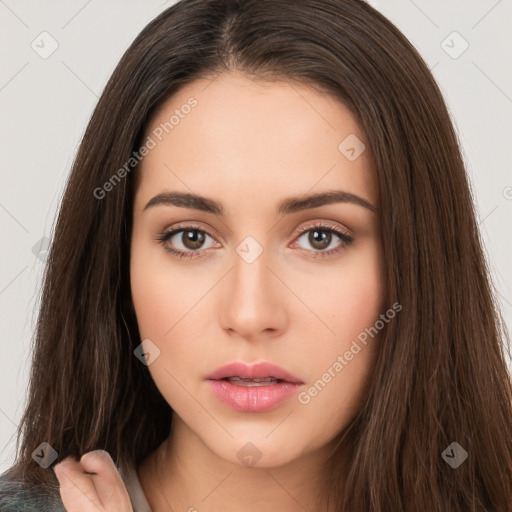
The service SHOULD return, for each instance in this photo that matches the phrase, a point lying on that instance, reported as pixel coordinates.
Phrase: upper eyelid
(326, 225)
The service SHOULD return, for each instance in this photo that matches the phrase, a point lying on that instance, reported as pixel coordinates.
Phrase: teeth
(266, 379)
(239, 381)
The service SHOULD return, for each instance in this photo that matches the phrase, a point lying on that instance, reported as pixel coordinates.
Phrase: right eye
(184, 241)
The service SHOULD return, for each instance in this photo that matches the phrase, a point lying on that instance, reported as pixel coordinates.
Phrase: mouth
(239, 372)
(239, 381)
(253, 388)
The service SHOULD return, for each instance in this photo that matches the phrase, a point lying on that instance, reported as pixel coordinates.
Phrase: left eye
(320, 238)
(192, 240)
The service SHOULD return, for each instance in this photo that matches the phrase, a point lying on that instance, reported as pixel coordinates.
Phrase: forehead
(229, 134)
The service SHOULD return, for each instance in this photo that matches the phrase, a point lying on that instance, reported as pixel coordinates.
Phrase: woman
(266, 286)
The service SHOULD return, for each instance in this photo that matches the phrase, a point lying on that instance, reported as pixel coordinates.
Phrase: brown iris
(192, 239)
(319, 239)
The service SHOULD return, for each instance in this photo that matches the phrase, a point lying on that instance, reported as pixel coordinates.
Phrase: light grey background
(46, 102)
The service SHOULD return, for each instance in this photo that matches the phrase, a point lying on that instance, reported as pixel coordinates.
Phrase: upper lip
(253, 371)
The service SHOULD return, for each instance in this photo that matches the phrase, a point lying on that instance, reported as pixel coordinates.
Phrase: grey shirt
(21, 497)
(132, 483)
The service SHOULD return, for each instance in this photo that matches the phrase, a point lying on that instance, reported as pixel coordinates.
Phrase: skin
(249, 145)
(101, 490)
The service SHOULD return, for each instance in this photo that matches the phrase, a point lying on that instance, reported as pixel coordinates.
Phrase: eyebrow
(287, 206)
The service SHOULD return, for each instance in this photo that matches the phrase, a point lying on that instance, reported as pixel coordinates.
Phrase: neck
(184, 474)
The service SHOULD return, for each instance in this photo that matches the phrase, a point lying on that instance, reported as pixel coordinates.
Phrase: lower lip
(252, 398)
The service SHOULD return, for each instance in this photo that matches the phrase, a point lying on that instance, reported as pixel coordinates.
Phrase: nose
(254, 299)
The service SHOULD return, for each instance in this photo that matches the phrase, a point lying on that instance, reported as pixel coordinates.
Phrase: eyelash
(163, 237)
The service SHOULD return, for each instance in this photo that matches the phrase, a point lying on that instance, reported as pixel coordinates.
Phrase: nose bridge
(250, 280)
(252, 302)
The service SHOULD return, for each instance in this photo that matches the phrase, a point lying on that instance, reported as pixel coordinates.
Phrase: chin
(257, 453)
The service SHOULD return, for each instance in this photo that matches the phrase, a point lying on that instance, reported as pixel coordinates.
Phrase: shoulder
(21, 497)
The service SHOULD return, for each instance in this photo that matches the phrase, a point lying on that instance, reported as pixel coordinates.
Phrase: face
(241, 278)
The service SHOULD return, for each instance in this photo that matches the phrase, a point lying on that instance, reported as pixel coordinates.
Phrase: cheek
(161, 293)
(342, 364)
(353, 296)
(161, 303)
(363, 297)
(152, 300)
(167, 301)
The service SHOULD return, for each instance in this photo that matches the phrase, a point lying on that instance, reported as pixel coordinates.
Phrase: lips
(253, 388)
(259, 374)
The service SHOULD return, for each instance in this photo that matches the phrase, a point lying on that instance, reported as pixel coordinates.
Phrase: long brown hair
(441, 375)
